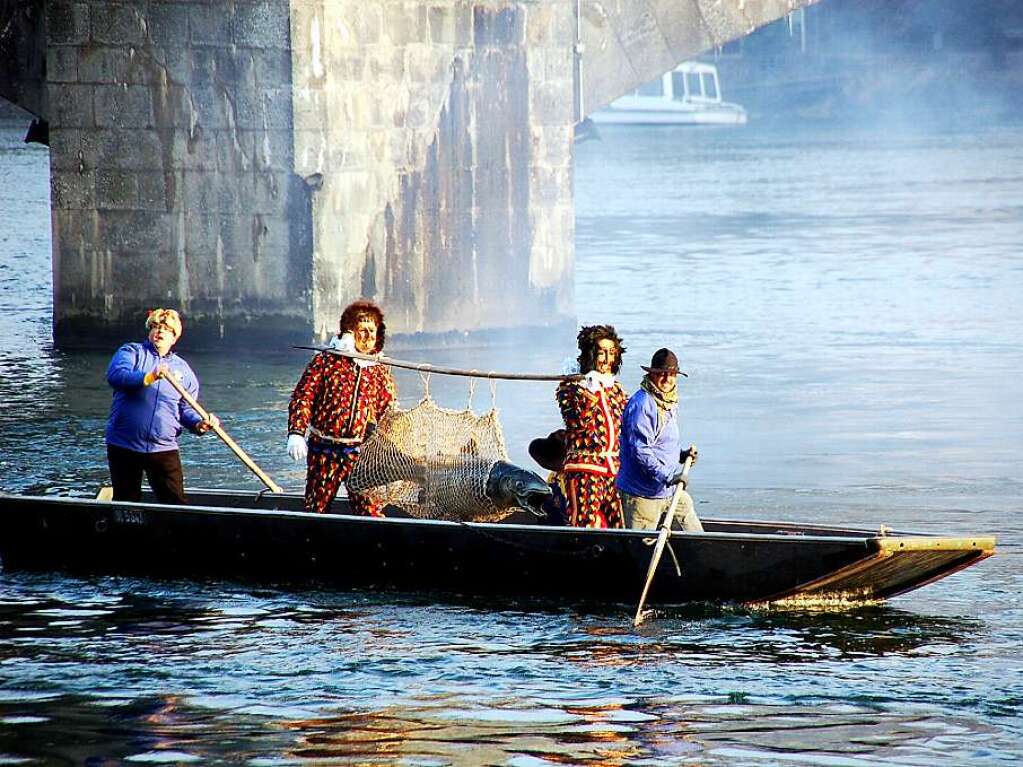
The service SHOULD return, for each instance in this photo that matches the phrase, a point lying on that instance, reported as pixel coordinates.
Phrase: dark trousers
(163, 470)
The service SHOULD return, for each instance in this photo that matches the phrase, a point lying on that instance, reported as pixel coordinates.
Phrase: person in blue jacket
(147, 413)
(651, 450)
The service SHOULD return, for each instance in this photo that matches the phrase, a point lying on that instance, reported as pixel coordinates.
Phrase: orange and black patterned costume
(593, 421)
(336, 399)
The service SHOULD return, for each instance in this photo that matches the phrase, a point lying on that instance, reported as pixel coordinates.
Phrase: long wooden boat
(265, 536)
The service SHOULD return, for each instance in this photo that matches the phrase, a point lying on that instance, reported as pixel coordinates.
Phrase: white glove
(297, 447)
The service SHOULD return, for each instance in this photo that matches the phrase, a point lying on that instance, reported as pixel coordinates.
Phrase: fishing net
(433, 462)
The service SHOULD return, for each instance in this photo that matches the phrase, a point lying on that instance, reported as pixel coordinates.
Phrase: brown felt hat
(664, 361)
(550, 451)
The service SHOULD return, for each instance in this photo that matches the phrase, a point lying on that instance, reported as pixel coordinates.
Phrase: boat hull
(649, 116)
(263, 537)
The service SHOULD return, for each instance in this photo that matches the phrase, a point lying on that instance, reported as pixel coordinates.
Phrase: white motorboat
(690, 94)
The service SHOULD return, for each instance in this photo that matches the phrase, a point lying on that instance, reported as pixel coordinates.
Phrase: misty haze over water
(846, 302)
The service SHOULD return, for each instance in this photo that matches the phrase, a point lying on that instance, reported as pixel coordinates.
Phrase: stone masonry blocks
(123, 106)
(682, 26)
(167, 25)
(71, 106)
(67, 23)
(367, 23)
(116, 190)
(209, 25)
(127, 149)
(65, 148)
(135, 231)
(116, 23)
(62, 64)
(152, 190)
(255, 26)
(168, 111)
(287, 156)
(71, 190)
(103, 65)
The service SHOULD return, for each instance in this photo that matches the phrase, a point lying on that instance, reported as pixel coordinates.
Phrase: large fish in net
(436, 463)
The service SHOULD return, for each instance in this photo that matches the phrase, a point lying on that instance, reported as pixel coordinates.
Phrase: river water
(847, 305)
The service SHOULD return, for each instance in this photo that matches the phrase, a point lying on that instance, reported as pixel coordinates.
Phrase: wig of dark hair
(588, 338)
(360, 310)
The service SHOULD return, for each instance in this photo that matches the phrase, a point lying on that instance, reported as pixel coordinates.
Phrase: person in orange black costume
(591, 407)
(339, 400)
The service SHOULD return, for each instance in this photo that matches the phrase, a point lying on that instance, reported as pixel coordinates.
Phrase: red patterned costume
(337, 399)
(593, 421)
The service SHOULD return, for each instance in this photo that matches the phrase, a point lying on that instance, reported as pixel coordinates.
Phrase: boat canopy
(690, 81)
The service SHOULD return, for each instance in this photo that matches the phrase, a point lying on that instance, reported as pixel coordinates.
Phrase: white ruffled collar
(592, 381)
(595, 381)
(346, 343)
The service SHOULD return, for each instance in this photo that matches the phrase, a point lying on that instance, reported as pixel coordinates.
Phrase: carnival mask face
(365, 336)
(605, 357)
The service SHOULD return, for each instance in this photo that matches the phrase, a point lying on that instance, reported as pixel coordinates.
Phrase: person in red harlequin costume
(338, 402)
(591, 407)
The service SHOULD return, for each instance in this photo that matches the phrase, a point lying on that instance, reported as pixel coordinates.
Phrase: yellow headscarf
(167, 317)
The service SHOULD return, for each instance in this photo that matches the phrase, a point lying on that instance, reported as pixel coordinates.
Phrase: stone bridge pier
(260, 163)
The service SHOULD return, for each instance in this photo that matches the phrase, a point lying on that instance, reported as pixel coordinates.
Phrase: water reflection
(148, 612)
(793, 636)
(452, 731)
(303, 676)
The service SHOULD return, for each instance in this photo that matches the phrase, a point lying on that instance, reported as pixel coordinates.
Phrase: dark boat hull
(262, 537)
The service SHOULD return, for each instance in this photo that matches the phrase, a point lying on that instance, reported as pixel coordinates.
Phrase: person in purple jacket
(651, 450)
(147, 413)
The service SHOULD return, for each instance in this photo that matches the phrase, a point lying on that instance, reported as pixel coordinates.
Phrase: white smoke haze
(838, 276)
(909, 64)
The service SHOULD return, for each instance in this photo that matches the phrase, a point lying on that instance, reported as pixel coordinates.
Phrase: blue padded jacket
(650, 448)
(148, 419)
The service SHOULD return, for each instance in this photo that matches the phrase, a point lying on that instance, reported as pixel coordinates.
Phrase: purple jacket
(148, 419)
(649, 457)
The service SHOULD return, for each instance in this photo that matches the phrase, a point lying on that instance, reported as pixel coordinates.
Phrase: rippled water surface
(847, 306)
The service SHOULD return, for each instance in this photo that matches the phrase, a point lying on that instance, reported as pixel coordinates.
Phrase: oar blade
(662, 539)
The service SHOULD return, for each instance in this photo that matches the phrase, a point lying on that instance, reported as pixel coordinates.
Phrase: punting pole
(424, 367)
(224, 435)
(662, 537)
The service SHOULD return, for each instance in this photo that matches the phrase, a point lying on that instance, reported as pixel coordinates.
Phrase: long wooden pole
(224, 436)
(662, 537)
(425, 367)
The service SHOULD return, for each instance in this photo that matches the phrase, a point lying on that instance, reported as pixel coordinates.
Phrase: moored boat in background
(690, 94)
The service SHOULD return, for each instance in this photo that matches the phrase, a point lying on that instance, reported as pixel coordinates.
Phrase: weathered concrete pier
(260, 163)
